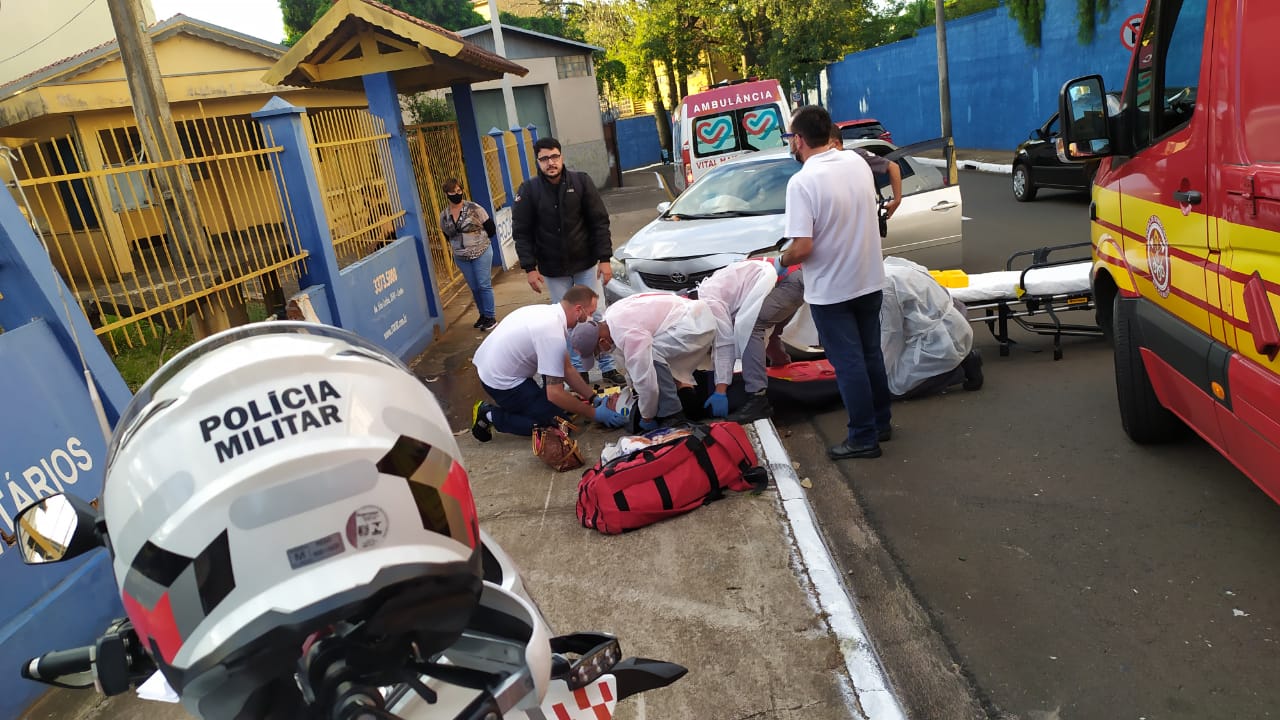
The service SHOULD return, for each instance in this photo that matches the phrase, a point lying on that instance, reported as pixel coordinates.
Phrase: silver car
(736, 211)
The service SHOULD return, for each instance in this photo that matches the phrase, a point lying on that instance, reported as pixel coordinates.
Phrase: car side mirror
(1083, 110)
(57, 528)
(663, 206)
(1037, 134)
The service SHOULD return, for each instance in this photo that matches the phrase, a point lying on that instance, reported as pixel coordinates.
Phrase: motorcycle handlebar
(58, 664)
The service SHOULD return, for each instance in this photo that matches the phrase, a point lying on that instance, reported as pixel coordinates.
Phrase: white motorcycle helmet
(273, 480)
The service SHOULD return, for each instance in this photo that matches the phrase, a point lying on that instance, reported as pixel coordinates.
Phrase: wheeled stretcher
(1033, 290)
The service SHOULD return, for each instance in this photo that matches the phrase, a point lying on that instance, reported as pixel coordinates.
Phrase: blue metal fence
(1000, 88)
(638, 142)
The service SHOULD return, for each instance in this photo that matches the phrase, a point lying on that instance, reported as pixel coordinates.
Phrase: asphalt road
(1016, 556)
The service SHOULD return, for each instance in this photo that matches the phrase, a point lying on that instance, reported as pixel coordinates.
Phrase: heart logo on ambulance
(760, 122)
(715, 133)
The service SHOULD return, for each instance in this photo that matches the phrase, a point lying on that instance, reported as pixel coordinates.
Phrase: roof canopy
(362, 37)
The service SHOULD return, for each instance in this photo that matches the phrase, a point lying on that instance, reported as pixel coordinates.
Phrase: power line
(55, 32)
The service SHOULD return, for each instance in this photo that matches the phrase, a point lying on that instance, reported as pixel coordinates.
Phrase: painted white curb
(971, 165)
(870, 683)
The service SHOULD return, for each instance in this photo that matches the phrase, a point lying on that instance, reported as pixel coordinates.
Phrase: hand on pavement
(608, 417)
(535, 280)
(719, 404)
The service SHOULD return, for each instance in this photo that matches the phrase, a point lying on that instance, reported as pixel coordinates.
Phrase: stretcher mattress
(1003, 285)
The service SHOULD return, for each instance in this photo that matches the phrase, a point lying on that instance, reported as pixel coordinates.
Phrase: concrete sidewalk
(727, 590)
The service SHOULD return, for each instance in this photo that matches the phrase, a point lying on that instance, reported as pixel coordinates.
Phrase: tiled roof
(87, 59)
(470, 53)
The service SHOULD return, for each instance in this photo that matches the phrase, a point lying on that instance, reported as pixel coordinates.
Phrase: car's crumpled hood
(670, 239)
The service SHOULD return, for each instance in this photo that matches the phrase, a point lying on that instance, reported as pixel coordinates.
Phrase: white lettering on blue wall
(49, 475)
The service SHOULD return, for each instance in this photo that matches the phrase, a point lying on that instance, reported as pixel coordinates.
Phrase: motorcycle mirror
(57, 528)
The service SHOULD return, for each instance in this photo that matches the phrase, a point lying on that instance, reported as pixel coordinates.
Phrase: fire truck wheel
(1145, 420)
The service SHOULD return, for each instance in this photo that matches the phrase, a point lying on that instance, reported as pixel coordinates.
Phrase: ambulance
(726, 121)
(1185, 223)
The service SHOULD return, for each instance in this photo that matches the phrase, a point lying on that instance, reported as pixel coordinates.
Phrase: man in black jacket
(561, 230)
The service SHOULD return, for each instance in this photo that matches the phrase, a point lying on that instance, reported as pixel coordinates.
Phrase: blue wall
(1000, 88)
(388, 298)
(638, 143)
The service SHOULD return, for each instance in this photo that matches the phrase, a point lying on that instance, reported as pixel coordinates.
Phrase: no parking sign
(1129, 31)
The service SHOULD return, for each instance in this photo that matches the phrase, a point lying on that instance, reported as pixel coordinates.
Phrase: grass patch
(139, 362)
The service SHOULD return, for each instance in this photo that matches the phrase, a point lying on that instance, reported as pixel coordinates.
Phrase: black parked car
(1036, 164)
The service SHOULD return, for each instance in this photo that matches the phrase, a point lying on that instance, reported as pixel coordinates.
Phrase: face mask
(455, 199)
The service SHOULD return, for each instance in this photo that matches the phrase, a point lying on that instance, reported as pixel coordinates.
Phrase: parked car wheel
(1024, 190)
(1145, 420)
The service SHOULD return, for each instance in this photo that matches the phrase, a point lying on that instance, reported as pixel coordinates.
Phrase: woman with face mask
(468, 229)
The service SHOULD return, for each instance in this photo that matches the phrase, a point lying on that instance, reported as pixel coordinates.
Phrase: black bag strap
(697, 440)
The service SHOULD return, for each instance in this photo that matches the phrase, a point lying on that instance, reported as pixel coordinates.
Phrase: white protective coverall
(734, 295)
(660, 329)
(922, 332)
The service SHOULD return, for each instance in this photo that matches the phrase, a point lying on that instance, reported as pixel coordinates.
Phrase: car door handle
(1187, 197)
(944, 205)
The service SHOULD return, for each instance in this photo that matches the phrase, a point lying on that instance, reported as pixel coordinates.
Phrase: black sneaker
(481, 427)
(487, 323)
(479, 321)
(844, 451)
(885, 435)
(756, 407)
(614, 377)
(972, 366)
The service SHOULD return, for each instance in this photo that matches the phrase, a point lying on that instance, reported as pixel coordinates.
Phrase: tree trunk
(660, 111)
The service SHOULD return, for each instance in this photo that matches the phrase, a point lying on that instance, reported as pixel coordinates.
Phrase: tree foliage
(301, 15)
(1088, 14)
(1029, 14)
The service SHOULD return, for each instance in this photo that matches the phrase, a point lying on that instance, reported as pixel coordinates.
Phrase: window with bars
(568, 66)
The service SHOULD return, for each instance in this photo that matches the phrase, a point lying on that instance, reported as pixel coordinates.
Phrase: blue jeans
(522, 408)
(850, 333)
(479, 276)
(558, 286)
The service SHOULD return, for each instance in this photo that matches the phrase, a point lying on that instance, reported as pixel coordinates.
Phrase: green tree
(300, 15)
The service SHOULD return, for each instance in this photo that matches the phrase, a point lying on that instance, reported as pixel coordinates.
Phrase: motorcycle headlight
(619, 269)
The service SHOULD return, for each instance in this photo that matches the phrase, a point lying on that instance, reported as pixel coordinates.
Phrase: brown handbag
(556, 448)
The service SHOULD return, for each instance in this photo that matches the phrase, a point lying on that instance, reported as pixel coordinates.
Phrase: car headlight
(619, 269)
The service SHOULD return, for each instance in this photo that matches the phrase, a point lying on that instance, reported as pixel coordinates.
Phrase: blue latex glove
(779, 267)
(719, 404)
(647, 425)
(608, 417)
(599, 400)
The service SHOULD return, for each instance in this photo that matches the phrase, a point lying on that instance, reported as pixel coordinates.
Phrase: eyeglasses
(549, 158)
(788, 135)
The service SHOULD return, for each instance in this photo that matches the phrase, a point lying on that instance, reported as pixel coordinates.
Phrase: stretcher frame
(1026, 306)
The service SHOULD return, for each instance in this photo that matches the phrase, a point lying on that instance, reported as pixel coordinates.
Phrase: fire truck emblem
(1158, 255)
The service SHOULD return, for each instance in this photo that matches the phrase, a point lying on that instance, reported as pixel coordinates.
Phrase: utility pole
(500, 47)
(944, 81)
(157, 131)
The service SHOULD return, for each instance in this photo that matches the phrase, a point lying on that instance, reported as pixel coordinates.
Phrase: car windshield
(738, 189)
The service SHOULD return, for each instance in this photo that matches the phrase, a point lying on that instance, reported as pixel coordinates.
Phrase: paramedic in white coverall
(662, 339)
(747, 298)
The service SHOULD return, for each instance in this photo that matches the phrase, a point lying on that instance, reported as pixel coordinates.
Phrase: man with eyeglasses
(561, 230)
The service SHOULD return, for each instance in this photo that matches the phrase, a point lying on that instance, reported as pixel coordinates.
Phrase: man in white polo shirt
(532, 341)
(835, 236)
